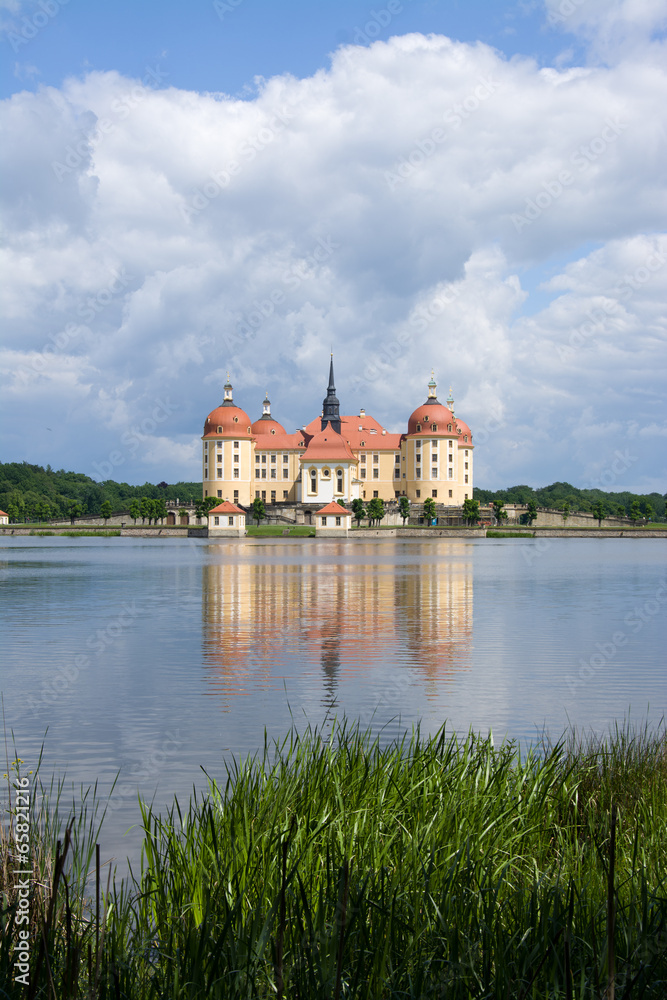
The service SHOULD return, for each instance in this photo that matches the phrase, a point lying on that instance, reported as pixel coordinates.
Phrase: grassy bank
(278, 530)
(439, 868)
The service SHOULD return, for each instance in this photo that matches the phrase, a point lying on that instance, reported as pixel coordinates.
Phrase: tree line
(34, 493)
(564, 496)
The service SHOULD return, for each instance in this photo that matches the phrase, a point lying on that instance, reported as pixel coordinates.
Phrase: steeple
(330, 405)
(228, 401)
(450, 400)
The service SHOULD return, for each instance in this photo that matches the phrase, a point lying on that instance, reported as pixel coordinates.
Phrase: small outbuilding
(333, 521)
(226, 521)
(4, 518)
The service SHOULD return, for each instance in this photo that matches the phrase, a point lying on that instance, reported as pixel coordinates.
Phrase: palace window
(257, 474)
(256, 494)
(313, 482)
(263, 473)
(340, 481)
(465, 438)
(375, 494)
(363, 473)
(273, 474)
(434, 472)
(216, 520)
(236, 494)
(465, 496)
(466, 454)
(397, 473)
(419, 427)
(450, 494)
(263, 459)
(285, 473)
(257, 459)
(376, 459)
(231, 520)
(449, 428)
(434, 493)
(418, 474)
(274, 459)
(236, 444)
(419, 493)
(236, 458)
(219, 430)
(236, 420)
(363, 459)
(397, 459)
(465, 479)
(337, 521)
(450, 474)
(451, 456)
(434, 444)
(273, 496)
(236, 473)
(284, 494)
(325, 473)
(220, 494)
(219, 471)
(376, 473)
(466, 465)
(285, 459)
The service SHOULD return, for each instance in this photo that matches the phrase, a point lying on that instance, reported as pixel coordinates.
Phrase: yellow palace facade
(337, 457)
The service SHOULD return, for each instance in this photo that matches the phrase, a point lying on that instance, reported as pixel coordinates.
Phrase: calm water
(160, 658)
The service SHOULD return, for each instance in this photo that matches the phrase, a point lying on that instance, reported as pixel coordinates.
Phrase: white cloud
(382, 208)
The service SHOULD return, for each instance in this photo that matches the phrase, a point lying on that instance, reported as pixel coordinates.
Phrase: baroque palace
(337, 457)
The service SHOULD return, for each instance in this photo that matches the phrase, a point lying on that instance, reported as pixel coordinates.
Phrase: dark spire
(330, 405)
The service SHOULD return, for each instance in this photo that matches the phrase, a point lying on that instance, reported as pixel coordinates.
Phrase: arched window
(449, 428)
(313, 481)
(339, 478)
(219, 430)
(419, 427)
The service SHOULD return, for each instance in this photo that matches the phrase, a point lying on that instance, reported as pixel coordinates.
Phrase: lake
(161, 658)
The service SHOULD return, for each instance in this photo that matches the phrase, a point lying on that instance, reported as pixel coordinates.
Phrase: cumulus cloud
(420, 203)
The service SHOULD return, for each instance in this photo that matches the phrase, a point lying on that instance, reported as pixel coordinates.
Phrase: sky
(242, 186)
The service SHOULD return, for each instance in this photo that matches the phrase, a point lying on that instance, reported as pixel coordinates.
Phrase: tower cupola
(228, 401)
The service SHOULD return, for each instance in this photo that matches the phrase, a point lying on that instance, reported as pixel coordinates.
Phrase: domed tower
(227, 447)
(438, 452)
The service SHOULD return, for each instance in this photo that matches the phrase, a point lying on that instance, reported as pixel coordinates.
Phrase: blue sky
(473, 187)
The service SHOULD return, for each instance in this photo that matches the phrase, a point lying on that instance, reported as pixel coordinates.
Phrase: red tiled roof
(226, 507)
(334, 508)
(234, 421)
(366, 429)
(327, 446)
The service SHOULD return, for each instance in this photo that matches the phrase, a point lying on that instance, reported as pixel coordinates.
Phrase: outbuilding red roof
(334, 508)
(226, 507)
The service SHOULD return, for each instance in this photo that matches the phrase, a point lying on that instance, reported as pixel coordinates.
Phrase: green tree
(106, 511)
(470, 511)
(258, 510)
(74, 510)
(135, 510)
(635, 511)
(14, 513)
(159, 509)
(429, 509)
(146, 509)
(358, 510)
(620, 510)
(599, 512)
(565, 510)
(647, 510)
(375, 511)
(404, 509)
(499, 511)
(531, 512)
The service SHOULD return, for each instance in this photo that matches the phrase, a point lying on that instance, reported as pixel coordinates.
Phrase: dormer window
(449, 428)
(419, 427)
(434, 427)
(236, 420)
(465, 438)
(273, 430)
(219, 430)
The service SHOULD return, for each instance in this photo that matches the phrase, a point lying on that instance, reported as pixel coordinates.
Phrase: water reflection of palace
(341, 614)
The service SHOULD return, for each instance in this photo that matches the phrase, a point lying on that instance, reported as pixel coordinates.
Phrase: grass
(330, 868)
(277, 530)
(109, 533)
